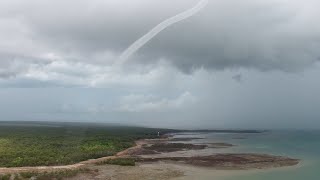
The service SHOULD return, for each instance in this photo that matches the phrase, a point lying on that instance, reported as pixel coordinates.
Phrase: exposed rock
(140, 151)
(231, 161)
(183, 139)
(171, 147)
(220, 145)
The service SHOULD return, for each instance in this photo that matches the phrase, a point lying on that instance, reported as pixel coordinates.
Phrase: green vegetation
(35, 144)
(119, 161)
(5, 177)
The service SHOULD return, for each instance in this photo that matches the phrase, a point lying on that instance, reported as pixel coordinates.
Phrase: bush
(5, 177)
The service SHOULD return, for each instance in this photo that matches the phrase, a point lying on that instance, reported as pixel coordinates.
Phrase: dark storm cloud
(266, 35)
(91, 26)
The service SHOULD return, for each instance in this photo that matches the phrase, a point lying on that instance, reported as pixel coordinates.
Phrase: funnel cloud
(160, 27)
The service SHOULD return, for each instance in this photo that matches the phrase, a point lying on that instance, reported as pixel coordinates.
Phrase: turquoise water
(304, 145)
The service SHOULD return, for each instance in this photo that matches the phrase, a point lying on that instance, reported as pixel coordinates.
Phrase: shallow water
(304, 145)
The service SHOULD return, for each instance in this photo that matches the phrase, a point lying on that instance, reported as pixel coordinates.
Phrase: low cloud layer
(149, 103)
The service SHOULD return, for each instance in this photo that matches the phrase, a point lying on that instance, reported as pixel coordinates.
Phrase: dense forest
(34, 143)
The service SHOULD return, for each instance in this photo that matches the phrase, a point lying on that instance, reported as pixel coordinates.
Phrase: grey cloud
(7, 74)
(56, 63)
(13, 65)
(237, 77)
(251, 34)
(266, 35)
(91, 26)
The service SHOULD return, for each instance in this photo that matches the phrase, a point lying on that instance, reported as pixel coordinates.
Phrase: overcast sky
(234, 64)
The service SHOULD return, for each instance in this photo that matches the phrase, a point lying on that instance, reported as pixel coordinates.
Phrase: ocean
(304, 145)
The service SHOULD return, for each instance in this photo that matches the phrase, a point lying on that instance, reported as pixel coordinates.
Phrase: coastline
(156, 168)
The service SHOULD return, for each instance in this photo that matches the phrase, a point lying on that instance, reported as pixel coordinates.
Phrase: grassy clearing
(37, 144)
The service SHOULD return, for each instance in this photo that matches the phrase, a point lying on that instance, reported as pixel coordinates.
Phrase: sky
(233, 64)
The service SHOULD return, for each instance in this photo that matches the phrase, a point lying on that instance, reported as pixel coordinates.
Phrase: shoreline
(181, 169)
(165, 151)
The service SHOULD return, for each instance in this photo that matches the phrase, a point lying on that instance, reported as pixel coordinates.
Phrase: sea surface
(304, 145)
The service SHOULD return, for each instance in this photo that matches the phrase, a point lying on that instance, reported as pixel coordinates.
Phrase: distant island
(225, 131)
